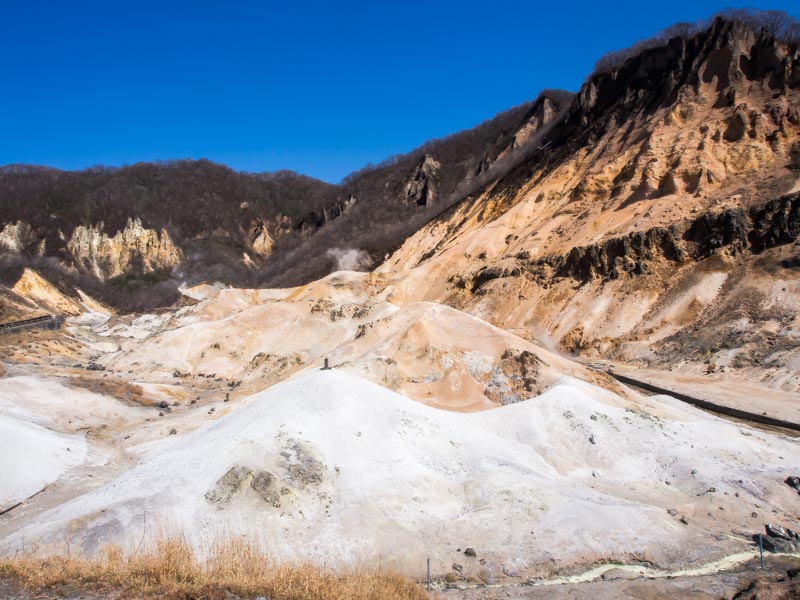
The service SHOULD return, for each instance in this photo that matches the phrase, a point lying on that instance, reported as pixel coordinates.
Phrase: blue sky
(318, 87)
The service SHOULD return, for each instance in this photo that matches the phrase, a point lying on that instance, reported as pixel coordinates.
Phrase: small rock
(754, 515)
(592, 439)
(694, 471)
(793, 482)
(470, 552)
(161, 414)
(175, 404)
(776, 544)
(595, 474)
(684, 520)
(672, 512)
(173, 431)
(510, 571)
(458, 568)
(712, 489)
(777, 531)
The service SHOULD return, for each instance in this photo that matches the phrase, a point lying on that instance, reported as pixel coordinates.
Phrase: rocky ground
(493, 443)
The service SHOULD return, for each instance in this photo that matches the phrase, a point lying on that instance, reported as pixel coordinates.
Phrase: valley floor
(434, 435)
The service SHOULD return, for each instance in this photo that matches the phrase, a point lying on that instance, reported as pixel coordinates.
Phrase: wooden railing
(708, 405)
(45, 322)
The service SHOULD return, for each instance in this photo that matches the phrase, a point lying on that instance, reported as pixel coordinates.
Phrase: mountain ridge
(227, 225)
(141, 230)
(654, 232)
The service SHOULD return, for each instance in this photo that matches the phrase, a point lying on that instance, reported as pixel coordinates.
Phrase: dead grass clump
(170, 569)
(126, 392)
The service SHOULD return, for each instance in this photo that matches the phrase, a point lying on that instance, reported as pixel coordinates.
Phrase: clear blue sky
(317, 87)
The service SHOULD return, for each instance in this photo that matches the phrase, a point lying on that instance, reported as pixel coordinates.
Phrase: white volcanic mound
(52, 404)
(328, 466)
(32, 456)
(43, 425)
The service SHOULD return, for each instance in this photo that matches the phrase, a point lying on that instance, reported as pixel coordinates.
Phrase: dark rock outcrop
(772, 224)
(421, 188)
(712, 231)
(315, 220)
(612, 258)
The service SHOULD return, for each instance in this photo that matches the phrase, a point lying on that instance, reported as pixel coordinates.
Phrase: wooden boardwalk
(45, 322)
(706, 404)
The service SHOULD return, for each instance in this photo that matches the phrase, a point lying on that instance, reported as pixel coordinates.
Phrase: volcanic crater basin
(327, 466)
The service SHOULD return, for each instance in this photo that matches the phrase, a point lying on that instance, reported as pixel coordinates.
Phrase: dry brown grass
(171, 570)
(129, 393)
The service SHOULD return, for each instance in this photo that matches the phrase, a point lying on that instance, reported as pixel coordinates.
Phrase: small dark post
(429, 575)
(326, 367)
(761, 548)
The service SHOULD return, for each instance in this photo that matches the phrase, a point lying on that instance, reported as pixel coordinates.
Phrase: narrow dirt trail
(726, 563)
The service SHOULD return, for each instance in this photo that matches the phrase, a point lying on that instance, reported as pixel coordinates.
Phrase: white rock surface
(32, 456)
(400, 481)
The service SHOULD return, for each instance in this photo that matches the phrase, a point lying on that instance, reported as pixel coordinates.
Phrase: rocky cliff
(660, 208)
(19, 238)
(134, 249)
(421, 187)
(172, 222)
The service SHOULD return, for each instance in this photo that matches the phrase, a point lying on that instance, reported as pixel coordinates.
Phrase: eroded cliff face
(543, 113)
(135, 249)
(20, 238)
(40, 293)
(315, 220)
(421, 188)
(259, 240)
(665, 193)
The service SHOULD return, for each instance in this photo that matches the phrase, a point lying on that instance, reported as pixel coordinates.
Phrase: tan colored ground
(737, 310)
(34, 287)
